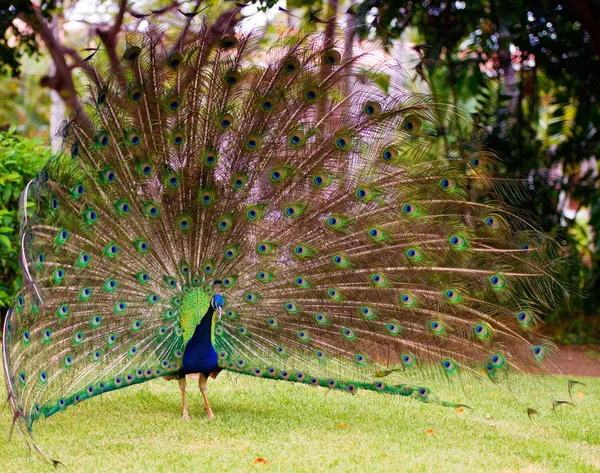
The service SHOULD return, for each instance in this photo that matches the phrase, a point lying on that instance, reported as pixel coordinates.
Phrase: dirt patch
(577, 361)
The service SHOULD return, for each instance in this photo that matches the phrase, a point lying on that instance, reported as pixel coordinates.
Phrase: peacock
(302, 211)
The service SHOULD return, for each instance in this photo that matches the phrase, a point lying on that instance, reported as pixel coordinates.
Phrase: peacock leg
(202, 381)
(182, 385)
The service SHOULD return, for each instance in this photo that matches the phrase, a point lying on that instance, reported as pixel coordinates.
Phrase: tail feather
(361, 240)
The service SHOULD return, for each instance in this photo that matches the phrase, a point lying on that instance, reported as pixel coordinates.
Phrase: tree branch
(62, 80)
(109, 39)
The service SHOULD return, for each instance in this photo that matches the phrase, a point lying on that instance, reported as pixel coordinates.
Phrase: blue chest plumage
(199, 355)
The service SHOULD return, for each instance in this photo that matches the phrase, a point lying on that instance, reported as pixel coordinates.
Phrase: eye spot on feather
(264, 248)
(142, 246)
(101, 99)
(291, 65)
(449, 366)
(58, 275)
(348, 333)
(224, 223)
(77, 190)
(132, 53)
(75, 150)
(452, 295)
(173, 103)
(303, 335)
(228, 42)
(372, 109)
(297, 138)
(341, 261)
(134, 138)
(232, 78)
(361, 359)
(414, 254)
(184, 223)
(457, 241)
(376, 234)
(393, 328)
(178, 138)
(174, 60)
(526, 248)
(411, 124)
(267, 105)
(497, 360)
(524, 318)
(145, 169)
(539, 352)
(311, 94)
(231, 252)
(151, 210)
(331, 57)
(291, 307)
(225, 121)
(497, 281)
(389, 154)
(407, 299)
(343, 141)
(492, 222)
(436, 327)
(409, 209)
(47, 335)
(447, 184)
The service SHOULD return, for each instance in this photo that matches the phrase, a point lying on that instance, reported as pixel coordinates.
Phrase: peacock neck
(195, 305)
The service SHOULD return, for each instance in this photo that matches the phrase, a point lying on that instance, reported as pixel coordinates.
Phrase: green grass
(301, 428)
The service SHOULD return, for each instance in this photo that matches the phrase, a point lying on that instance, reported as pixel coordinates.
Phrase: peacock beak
(219, 312)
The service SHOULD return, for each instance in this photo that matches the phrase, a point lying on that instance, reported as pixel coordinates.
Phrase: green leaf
(6, 242)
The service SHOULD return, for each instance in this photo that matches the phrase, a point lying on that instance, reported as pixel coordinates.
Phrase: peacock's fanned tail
(360, 244)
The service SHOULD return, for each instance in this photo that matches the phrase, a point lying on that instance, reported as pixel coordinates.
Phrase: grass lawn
(263, 425)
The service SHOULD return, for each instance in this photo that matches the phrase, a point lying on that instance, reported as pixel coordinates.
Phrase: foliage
(529, 74)
(11, 35)
(20, 160)
(24, 102)
(305, 429)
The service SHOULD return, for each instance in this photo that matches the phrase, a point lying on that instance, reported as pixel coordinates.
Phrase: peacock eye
(409, 209)
(331, 57)
(232, 78)
(297, 138)
(291, 65)
(407, 299)
(411, 124)
(389, 154)
(311, 94)
(228, 41)
(372, 109)
(447, 184)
